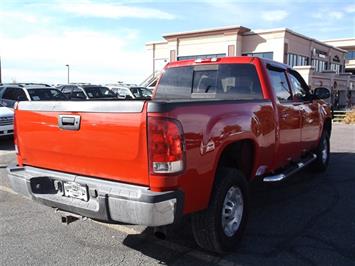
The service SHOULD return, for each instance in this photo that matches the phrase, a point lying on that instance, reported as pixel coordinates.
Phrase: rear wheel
(322, 152)
(220, 227)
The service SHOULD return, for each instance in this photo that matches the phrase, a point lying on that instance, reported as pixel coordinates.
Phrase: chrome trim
(69, 122)
(299, 166)
(274, 178)
(117, 106)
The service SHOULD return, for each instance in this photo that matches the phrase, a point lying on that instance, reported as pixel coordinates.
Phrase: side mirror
(321, 93)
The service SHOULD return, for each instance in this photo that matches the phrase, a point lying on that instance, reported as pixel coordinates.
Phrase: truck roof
(226, 60)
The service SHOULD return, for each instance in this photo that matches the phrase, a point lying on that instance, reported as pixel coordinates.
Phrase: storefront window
(268, 55)
(319, 65)
(350, 55)
(296, 60)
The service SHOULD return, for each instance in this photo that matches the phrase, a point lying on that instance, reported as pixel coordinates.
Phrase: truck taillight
(166, 146)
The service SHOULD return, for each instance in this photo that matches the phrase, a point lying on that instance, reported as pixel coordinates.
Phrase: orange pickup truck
(211, 127)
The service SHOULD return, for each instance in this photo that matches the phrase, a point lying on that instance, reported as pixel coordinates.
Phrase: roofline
(340, 39)
(156, 42)
(204, 31)
(296, 34)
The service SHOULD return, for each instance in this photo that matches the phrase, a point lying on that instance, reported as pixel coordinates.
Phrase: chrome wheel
(325, 151)
(232, 211)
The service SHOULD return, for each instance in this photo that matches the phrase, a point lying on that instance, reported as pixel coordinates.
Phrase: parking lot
(309, 219)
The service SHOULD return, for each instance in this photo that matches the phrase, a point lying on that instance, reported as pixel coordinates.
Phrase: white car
(131, 92)
(6, 121)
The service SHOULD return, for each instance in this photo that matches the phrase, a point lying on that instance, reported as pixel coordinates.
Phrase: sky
(104, 41)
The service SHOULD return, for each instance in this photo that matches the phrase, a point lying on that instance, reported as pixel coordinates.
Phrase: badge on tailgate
(69, 122)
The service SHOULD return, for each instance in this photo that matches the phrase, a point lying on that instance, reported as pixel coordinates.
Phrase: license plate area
(76, 191)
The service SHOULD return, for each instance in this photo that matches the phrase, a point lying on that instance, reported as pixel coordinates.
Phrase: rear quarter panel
(220, 123)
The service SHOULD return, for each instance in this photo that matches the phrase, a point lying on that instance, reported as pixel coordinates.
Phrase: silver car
(10, 94)
(6, 121)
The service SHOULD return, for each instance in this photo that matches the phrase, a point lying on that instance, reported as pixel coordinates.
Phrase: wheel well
(239, 155)
(328, 126)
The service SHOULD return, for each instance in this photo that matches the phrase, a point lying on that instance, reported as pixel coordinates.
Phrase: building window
(297, 60)
(268, 55)
(336, 67)
(189, 57)
(350, 55)
(319, 65)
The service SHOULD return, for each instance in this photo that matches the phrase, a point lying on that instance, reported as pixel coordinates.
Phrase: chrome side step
(300, 165)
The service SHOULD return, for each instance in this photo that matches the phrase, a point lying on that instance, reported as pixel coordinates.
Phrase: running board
(294, 169)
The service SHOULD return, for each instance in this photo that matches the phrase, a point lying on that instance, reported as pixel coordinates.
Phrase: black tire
(322, 152)
(207, 225)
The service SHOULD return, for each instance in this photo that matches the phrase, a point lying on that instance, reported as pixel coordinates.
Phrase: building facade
(348, 45)
(282, 45)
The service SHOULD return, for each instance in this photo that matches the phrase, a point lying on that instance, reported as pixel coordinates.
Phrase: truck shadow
(306, 214)
(7, 143)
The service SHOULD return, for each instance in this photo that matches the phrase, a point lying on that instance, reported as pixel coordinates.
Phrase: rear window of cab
(214, 81)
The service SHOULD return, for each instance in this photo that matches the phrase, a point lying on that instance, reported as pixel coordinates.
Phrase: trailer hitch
(68, 218)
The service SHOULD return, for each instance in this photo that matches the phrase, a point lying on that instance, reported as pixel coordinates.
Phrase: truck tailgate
(110, 143)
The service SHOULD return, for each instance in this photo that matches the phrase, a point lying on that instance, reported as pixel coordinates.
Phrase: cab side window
(67, 91)
(280, 85)
(299, 88)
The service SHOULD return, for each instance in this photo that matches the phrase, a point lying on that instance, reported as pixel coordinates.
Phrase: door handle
(69, 122)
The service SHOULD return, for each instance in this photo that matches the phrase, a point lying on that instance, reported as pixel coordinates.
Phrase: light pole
(68, 68)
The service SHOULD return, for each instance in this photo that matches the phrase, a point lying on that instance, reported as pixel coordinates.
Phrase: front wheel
(322, 152)
(219, 228)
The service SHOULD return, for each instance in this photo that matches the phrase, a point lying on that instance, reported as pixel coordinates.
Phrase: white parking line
(8, 190)
(7, 152)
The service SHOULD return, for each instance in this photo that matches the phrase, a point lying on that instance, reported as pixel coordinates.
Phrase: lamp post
(68, 68)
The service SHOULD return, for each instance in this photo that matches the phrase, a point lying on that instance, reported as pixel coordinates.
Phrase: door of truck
(309, 111)
(289, 115)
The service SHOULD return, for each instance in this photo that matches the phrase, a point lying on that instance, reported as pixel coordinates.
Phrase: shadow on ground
(308, 219)
(7, 143)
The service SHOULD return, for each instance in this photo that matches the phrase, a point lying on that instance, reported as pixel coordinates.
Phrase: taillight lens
(166, 146)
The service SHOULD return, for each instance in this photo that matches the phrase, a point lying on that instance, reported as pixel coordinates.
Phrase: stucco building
(283, 45)
(347, 44)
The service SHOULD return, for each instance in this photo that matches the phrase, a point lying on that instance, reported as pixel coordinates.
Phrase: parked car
(87, 92)
(131, 92)
(212, 127)
(10, 94)
(6, 121)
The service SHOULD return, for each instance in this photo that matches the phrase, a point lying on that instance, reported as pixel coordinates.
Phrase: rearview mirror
(321, 93)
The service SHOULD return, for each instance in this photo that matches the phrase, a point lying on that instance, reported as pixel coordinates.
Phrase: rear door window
(78, 94)
(46, 95)
(279, 85)
(15, 94)
(300, 90)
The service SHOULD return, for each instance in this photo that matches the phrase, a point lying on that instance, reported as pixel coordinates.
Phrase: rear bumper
(108, 200)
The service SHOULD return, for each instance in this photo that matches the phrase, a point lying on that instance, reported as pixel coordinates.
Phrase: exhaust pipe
(160, 232)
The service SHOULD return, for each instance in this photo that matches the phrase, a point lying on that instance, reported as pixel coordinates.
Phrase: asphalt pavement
(307, 220)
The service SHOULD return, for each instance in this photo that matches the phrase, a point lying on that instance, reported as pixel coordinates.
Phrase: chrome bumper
(108, 200)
